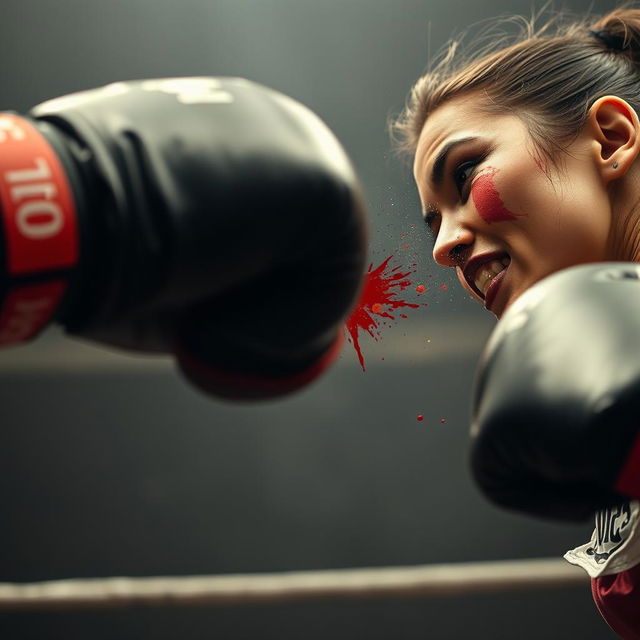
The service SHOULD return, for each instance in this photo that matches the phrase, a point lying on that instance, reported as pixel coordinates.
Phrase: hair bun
(612, 41)
(619, 31)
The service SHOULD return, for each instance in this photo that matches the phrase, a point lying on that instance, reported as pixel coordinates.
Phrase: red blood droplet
(420, 417)
(405, 246)
(378, 298)
(420, 288)
(443, 287)
(442, 420)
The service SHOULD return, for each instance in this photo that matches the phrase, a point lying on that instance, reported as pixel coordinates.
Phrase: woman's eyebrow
(437, 172)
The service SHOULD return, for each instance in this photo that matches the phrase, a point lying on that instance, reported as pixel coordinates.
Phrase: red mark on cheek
(378, 298)
(487, 199)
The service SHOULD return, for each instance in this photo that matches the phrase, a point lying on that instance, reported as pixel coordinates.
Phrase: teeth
(489, 270)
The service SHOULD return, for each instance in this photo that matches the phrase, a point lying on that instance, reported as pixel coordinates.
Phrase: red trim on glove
(617, 597)
(26, 310)
(38, 215)
(234, 386)
(38, 210)
(628, 481)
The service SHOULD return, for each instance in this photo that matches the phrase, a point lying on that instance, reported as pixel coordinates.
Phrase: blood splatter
(420, 288)
(443, 287)
(420, 417)
(442, 420)
(378, 298)
(487, 199)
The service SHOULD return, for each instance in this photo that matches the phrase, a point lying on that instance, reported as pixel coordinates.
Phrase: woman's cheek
(487, 199)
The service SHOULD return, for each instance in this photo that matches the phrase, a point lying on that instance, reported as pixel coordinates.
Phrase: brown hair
(549, 76)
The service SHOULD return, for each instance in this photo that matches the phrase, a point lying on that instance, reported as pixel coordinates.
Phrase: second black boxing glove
(214, 218)
(555, 414)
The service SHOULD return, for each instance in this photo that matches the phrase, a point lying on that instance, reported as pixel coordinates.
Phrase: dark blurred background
(113, 465)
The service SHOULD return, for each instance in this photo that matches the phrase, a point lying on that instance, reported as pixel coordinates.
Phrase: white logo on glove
(191, 90)
(9, 128)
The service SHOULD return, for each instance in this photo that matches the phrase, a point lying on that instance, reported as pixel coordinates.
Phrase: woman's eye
(462, 173)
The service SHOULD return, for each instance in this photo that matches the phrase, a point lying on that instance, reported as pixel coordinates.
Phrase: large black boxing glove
(212, 218)
(556, 410)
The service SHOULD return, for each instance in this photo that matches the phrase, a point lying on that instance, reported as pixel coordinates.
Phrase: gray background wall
(112, 465)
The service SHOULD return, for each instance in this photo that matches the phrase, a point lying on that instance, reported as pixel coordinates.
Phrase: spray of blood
(377, 300)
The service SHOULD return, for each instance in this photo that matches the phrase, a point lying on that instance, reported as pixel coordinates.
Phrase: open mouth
(482, 270)
(487, 272)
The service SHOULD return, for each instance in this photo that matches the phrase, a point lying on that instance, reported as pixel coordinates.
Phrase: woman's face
(487, 193)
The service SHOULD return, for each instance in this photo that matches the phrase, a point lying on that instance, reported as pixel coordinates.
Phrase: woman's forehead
(455, 118)
(460, 117)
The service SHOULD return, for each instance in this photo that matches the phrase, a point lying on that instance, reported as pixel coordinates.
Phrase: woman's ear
(614, 126)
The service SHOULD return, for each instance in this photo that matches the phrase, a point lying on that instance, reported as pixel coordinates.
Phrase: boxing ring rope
(236, 589)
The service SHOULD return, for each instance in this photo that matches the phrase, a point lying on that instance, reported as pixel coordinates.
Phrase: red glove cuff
(235, 386)
(39, 229)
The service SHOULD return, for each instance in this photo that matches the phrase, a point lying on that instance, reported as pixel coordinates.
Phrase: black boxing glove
(556, 409)
(212, 218)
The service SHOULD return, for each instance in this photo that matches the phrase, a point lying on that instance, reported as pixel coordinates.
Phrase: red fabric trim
(235, 386)
(25, 311)
(38, 209)
(628, 481)
(618, 599)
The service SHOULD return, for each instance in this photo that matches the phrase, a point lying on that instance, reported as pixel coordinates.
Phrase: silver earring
(614, 165)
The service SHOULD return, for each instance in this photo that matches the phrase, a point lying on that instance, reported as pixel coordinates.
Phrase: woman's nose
(452, 243)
